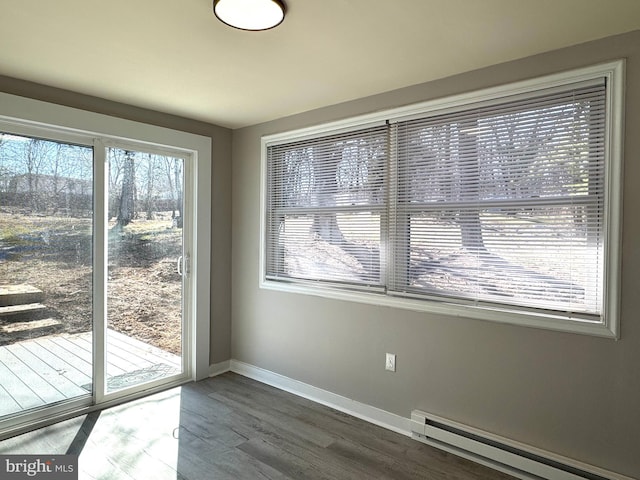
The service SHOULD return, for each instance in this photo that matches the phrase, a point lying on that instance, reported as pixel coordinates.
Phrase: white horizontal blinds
(504, 203)
(326, 205)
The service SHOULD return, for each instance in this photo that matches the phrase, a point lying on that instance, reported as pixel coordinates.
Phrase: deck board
(137, 351)
(19, 391)
(7, 403)
(30, 376)
(137, 347)
(53, 372)
(58, 366)
(53, 368)
(66, 356)
(80, 353)
(127, 362)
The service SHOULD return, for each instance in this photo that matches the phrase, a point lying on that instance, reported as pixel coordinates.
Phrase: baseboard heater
(499, 453)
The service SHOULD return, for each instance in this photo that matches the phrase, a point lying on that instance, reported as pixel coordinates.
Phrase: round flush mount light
(250, 14)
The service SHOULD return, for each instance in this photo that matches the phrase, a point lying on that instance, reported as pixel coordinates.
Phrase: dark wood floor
(231, 427)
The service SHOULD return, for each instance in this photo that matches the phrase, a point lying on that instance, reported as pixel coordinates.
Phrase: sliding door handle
(183, 265)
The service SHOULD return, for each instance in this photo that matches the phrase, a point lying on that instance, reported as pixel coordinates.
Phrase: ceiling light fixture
(250, 14)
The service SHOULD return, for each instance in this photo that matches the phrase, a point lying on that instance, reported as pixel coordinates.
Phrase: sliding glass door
(94, 270)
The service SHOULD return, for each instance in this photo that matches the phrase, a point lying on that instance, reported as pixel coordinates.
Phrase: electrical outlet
(390, 363)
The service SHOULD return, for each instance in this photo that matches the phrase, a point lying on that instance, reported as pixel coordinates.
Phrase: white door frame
(57, 122)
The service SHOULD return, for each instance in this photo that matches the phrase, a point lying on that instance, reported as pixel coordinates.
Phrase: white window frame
(614, 75)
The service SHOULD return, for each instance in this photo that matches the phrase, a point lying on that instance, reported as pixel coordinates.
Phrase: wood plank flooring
(231, 427)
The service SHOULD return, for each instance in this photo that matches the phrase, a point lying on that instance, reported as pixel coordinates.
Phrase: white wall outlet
(390, 363)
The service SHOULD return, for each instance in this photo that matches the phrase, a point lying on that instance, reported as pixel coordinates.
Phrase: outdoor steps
(30, 329)
(19, 295)
(21, 303)
(27, 311)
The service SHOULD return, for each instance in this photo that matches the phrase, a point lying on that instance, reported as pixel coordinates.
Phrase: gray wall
(572, 394)
(220, 189)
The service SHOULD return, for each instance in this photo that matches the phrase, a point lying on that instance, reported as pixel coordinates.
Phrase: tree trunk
(126, 211)
(469, 221)
(171, 184)
(471, 231)
(150, 187)
(178, 187)
(325, 225)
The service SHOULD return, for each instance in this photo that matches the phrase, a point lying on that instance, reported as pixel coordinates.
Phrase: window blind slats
(504, 204)
(327, 200)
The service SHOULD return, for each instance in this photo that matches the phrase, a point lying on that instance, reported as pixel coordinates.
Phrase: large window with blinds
(502, 205)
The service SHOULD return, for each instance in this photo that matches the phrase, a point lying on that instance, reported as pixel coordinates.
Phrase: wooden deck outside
(49, 369)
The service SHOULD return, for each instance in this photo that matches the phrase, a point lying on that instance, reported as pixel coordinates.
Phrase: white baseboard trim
(380, 417)
(219, 368)
(374, 415)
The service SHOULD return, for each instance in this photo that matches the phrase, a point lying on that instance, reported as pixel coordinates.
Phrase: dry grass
(54, 254)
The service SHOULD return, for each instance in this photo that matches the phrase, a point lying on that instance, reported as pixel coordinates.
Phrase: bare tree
(36, 154)
(177, 178)
(126, 210)
(150, 184)
(116, 167)
(5, 173)
(80, 194)
(56, 167)
(167, 165)
(325, 225)
(468, 172)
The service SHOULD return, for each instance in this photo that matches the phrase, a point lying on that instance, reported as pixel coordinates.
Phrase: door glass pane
(144, 285)
(46, 215)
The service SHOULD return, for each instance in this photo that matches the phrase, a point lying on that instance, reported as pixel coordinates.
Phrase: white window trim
(614, 73)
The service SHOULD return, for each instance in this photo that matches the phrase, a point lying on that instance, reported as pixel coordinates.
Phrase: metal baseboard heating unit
(500, 453)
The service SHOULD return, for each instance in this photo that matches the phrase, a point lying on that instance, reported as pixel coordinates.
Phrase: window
(327, 202)
(502, 204)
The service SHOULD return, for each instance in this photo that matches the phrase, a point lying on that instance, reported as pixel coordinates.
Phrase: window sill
(501, 315)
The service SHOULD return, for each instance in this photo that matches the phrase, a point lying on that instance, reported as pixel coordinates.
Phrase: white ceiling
(174, 56)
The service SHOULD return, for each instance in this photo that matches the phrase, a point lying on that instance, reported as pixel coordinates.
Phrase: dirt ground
(54, 254)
